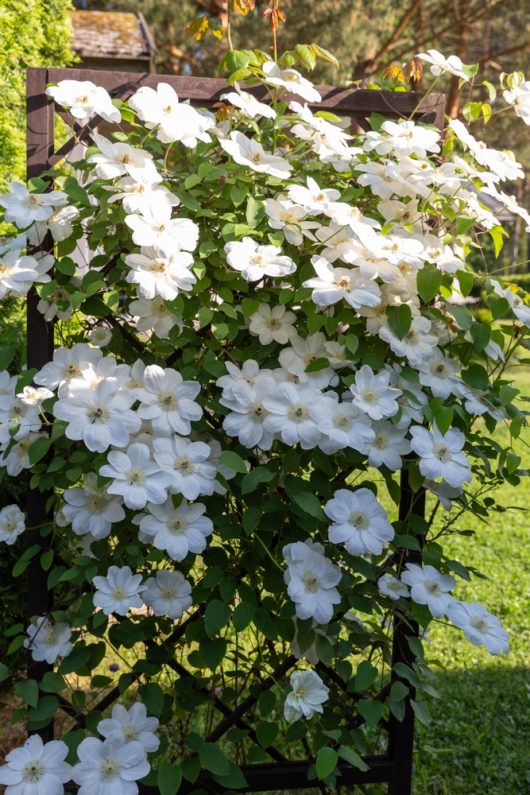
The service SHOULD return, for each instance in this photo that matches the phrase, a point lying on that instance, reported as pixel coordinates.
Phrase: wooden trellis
(394, 767)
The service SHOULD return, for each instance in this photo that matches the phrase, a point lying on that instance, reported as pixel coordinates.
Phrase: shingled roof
(111, 34)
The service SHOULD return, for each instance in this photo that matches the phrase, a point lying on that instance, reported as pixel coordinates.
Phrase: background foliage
(34, 33)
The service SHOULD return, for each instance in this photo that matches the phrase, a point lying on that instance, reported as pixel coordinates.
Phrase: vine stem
(229, 26)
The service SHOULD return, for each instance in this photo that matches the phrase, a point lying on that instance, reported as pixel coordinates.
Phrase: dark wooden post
(39, 335)
(401, 733)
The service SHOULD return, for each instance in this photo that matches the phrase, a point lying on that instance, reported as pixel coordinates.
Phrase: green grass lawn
(479, 738)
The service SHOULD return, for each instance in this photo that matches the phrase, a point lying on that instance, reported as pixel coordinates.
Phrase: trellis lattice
(281, 773)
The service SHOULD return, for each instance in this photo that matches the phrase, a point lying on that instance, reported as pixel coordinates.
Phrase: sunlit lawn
(479, 739)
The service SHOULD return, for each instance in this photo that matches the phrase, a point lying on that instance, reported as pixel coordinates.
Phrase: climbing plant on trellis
(236, 714)
(271, 412)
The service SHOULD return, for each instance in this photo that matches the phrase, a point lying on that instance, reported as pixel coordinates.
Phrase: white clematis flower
(439, 64)
(291, 80)
(109, 767)
(335, 284)
(480, 627)
(307, 695)
(159, 273)
(19, 273)
(118, 591)
(272, 324)
(177, 531)
(23, 207)
(168, 401)
(36, 768)
(90, 509)
(345, 426)
(248, 152)
(295, 412)
(311, 581)
(312, 198)
(388, 446)
(290, 218)
(519, 97)
(255, 261)
(67, 364)
(156, 228)
(440, 455)
(248, 413)
(186, 466)
(118, 159)
(135, 477)
(129, 725)
(153, 315)
(84, 100)
(248, 103)
(168, 594)
(429, 587)
(391, 587)
(359, 522)
(160, 109)
(373, 394)
(12, 524)
(100, 417)
(47, 641)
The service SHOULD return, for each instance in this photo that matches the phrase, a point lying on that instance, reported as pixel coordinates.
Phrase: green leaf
(365, 676)
(267, 733)
(309, 504)
(169, 778)
(7, 352)
(481, 335)
(252, 211)
(28, 690)
(213, 759)
(243, 615)
(233, 461)
(399, 319)
(43, 713)
(421, 711)
(306, 56)
(476, 377)
(76, 193)
(77, 658)
(372, 711)
(326, 762)
(215, 617)
(4, 672)
(463, 317)
(38, 449)
(212, 652)
(350, 756)
(254, 478)
(316, 365)
(235, 59)
(52, 682)
(65, 265)
(23, 562)
(507, 393)
(324, 55)
(429, 280)
(251, 519)
(497, 233)
(153, 697)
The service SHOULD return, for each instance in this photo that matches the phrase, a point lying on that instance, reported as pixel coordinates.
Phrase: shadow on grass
(479, 739)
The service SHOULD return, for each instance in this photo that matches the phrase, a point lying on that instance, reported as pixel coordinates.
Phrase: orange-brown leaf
(243, 7)
(197, 28)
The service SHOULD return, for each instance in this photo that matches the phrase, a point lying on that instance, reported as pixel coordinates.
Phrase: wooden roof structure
(113, 40)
